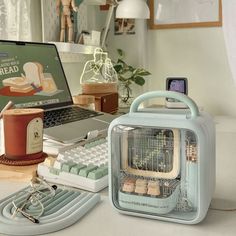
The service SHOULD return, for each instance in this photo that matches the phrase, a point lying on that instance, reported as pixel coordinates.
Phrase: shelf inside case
(148, 195)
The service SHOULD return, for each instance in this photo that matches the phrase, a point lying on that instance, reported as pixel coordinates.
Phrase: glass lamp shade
(136, 9)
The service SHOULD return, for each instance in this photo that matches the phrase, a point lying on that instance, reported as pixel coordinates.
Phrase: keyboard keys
(76, 169)
(85, 171)
(67, 166)
(76, 163)
(153, 188)
(54, 171)
(96, 174)
(129, 185)
(141, 186)
(66, 115)
(104, 169)
(49, 161)
(57, 164)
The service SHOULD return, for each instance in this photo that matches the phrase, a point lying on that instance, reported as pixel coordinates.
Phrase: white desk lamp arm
(108, 21)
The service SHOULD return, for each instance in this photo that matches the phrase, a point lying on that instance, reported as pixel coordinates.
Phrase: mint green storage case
(162, 161)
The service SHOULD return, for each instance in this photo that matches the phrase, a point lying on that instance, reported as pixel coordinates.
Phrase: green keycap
(103, 140)
(54, 171)
(76, 169)
(89, 145)
(96, 174)
(67, 166)
(84, 172)
(99, 172)
(104, 169)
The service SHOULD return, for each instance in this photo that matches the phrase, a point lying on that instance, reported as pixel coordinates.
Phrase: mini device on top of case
(176, 84)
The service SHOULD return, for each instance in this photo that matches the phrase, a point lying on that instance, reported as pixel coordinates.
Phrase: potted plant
(127, 76)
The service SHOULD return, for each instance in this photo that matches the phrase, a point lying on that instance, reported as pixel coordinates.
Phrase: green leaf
(145, 73)
(139, 80)
(119, 61)
(131, 68)
(121, 78)
(118, 68)
(142, 72)
(120, 52)
(132, 78)
(127, 74)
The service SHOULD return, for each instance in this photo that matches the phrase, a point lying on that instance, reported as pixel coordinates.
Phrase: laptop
(31, 75)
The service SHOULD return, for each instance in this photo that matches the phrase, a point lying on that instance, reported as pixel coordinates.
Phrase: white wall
(198, 54)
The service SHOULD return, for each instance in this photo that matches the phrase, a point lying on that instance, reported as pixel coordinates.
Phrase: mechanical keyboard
(83, 165)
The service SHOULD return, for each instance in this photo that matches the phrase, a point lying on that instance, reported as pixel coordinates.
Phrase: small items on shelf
(87, 38)
(65, 9)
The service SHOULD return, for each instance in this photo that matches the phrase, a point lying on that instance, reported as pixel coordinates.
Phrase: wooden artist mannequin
(67, 7)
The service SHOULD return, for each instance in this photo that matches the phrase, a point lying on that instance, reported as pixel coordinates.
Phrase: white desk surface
(105, 221)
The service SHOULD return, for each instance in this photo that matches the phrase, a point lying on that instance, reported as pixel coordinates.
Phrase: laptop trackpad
(74, 131)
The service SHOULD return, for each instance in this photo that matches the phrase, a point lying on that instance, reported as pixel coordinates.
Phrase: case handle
(169, 94)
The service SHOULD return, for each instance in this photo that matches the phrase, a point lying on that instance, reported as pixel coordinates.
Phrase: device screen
(176, 85)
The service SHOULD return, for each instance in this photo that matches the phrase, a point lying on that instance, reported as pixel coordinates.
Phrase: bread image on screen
(18, 84)
(34, 80)
(48, 83)
(33, 72)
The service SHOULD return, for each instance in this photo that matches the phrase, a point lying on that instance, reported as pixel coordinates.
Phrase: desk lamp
(131, 9)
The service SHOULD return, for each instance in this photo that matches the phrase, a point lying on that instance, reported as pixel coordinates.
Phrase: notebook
(31, 75)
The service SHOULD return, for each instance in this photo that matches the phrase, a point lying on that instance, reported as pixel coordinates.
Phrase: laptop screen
(31, 75)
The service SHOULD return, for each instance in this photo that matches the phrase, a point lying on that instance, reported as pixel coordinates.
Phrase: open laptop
(31, 75)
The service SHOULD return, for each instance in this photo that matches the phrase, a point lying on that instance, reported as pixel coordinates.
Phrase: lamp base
(93, 88)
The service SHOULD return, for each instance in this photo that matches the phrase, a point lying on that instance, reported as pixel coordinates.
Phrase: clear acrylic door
(154, 170)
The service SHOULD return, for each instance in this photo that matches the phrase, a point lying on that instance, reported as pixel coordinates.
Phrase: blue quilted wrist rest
(60, 211)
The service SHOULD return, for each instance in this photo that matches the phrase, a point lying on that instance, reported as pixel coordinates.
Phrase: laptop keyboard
(81, 166)
(67, 115)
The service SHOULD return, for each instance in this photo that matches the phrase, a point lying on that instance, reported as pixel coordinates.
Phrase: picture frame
(168, 14)
(124, 26)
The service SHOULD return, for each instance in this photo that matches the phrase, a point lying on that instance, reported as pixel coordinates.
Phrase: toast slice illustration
(33, 72)
(18, 82)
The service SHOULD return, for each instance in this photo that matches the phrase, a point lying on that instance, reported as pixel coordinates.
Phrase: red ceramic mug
(23, 133)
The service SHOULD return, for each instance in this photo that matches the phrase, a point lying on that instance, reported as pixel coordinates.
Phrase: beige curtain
(20, 20)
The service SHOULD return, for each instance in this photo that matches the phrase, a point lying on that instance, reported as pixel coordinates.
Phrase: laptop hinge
(92, 134)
